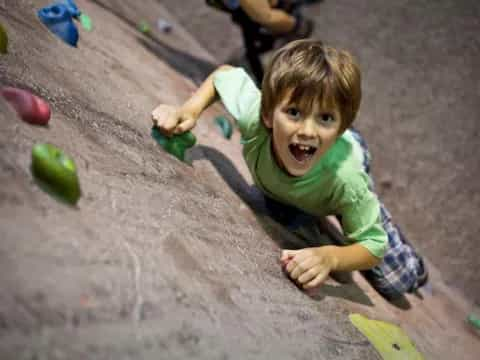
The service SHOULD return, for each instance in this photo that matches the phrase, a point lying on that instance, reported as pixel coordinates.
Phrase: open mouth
(301, 152)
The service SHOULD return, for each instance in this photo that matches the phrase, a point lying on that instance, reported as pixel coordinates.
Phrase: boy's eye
(293, 112)
(326, 118)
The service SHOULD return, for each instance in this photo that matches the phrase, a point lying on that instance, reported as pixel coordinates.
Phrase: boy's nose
(307, 129)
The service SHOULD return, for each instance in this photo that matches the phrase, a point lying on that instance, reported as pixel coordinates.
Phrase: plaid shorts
(401, 270)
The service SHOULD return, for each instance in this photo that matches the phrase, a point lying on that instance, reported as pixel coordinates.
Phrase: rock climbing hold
(3, 40)
(474, 322)
(161, 139)
(58, 19)
(389, 340)
(187, 139)
(164, 26)
(225, 126)
(56, 172)
(85, 21)
(177, 150)
(143, 27)
(72, 8)
(175, 145)
(29, 107)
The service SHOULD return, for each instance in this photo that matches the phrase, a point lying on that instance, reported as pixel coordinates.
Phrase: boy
(308, 163)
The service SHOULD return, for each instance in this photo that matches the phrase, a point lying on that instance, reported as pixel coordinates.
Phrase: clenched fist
(308, 267)
(171, 120)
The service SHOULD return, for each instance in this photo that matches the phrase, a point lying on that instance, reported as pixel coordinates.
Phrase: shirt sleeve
(361, 219)
(241, 97)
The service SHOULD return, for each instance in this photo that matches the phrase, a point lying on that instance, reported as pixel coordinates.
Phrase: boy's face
(301, 139)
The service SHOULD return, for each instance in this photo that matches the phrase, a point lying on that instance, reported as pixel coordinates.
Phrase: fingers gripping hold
(171, 120)
(185, 123)
(317, 281)
(309, 275)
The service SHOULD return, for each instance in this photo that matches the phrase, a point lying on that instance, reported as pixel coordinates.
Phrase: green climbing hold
(389, 340)
(225, 126)
(3, 40)
(144, 27)
(474, 321)
(56, 172)
(85, 21)
(175, 145)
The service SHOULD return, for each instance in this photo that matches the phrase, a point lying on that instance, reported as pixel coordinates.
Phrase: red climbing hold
(29, 107)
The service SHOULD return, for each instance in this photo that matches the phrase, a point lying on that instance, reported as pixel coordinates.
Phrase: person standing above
(263, 22)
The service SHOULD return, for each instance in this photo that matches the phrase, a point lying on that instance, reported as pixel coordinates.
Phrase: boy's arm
(351, 257)
(171, 120)
(276, 20)
(310, 267)
(333, 228)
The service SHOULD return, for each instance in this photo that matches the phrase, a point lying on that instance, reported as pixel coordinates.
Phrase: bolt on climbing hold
(3, 40)
(225, 126)
(55, 172)
(175, 145)
(29, 107)
(58, 19)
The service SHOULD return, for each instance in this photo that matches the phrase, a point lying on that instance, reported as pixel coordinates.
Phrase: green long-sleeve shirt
(336, 185)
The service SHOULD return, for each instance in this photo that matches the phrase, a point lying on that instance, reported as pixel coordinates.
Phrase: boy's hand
(171, 120)
(308, 267)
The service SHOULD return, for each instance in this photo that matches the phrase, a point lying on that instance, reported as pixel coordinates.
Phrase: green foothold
(389, 340)
(85, 21)
(3, 40)
(224, 126)
(144, 27)
(175, 145)
(474, 321)
(56, 172)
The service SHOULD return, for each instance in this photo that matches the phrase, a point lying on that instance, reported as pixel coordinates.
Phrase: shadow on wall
(194, 68)
(284, 239)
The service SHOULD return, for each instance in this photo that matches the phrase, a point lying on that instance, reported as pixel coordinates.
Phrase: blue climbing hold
(72, 8)
(58, 19)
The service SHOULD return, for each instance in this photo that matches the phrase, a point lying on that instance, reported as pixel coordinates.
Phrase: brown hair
(312, 71)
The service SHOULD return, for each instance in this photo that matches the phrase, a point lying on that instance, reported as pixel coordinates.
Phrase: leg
(402, 269)
(253, 57)
(254, 41)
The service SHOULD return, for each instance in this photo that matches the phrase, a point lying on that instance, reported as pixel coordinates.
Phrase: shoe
(58, 19)
(304, 29)
(29, 107)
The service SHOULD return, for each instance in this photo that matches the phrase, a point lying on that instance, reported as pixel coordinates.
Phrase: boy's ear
(267, 121)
